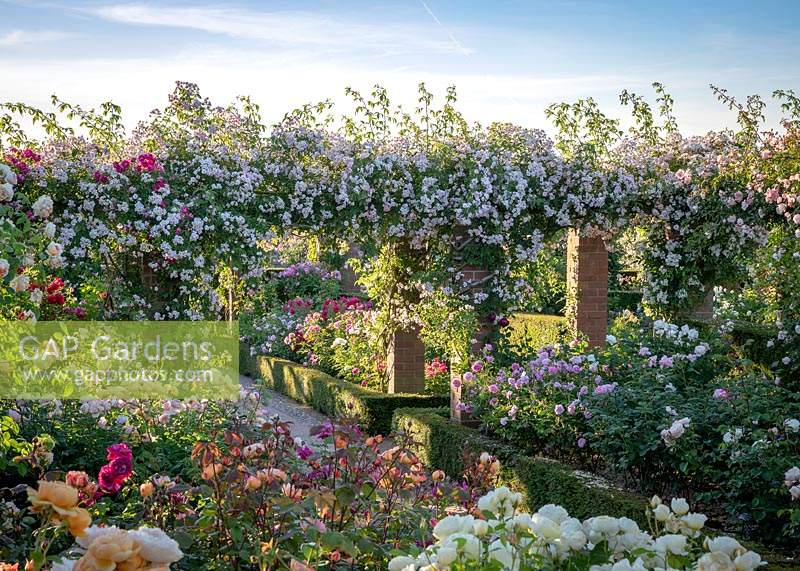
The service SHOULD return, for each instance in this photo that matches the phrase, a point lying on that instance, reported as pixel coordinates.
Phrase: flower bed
(142, 484)
(706, 424)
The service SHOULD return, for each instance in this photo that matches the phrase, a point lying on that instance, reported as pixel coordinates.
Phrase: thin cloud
(27, 37)
(436, 19)
(281, 27)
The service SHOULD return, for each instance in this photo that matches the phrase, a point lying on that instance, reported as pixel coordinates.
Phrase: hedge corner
(444, 445)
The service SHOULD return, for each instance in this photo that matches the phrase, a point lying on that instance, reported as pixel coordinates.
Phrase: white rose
(676, 430)
(605, 525)
(717, 561)
(503, 553)
(694, 521)
(480, 527)
(464, 543)
(6, 192)
(484, 457)
(446, 555)
(487, 503)
(3, 268)
(725, 544)
(54, 249)
(791, 424)
(572, 536)
(55, 262)
(795, 492)
(679, 506)
(50, 230)
(20, 283)
(792, 475)
(36, 296)
(402, 563)
(43, 207)
(447, 527)
(9, 175)
(747, 561)
(661, 512)
(545, 527)
(156, 546)
(611, 340)
(554, 512)
(671, 543)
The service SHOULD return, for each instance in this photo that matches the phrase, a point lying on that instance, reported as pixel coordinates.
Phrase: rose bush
(706, 425)
(499, 535)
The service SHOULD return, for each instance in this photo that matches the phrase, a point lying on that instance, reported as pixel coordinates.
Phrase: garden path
(302, 417)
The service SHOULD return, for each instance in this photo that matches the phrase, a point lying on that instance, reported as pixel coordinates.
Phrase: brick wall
(587, 286)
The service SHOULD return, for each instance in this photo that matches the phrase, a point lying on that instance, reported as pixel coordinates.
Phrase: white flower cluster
(509, 538)
(683, 334)
(792, 481)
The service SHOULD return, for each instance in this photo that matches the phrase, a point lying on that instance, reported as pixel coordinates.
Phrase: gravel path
(302, 417)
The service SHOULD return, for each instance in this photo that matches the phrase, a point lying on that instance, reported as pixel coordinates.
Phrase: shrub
(530, 331)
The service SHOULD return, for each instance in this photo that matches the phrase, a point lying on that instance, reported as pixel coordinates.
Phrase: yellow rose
(212, 470)
(57, 496)
(146, 489)
(79, 522)
(108, 551)
(133, 564)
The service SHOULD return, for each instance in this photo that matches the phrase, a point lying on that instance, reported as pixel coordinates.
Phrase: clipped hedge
(331, 396)
(750, 340)
(442, 444)
(527, 331)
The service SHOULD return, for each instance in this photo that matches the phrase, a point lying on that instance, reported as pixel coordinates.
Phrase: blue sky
(508, 59)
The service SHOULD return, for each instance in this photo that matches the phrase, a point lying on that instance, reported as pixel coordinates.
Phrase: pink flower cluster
(118, 469)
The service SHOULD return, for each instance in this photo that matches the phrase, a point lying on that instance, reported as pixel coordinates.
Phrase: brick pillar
(472, 275)
(405, 362)
(587, 287)
(705, 309)
(349, 277)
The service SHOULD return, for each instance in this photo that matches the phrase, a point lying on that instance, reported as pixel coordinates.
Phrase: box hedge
(442, 444)
(527, 331)
(331, 396)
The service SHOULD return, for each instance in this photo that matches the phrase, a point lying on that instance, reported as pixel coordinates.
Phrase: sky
(509, 59)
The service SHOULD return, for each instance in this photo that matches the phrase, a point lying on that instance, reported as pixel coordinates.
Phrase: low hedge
(442, 444)
(331, 396)
(749, 340)
(528, 331)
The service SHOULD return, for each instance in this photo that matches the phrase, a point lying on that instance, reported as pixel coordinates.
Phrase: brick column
(587, 287)
(704, 310)
(349, 277)
(405, 362)
(472, 275)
